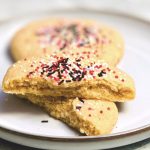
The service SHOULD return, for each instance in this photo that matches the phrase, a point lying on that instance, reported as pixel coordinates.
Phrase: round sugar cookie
(80, 36)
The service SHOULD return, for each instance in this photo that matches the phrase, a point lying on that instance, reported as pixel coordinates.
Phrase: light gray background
(12, 8)
(9, 8)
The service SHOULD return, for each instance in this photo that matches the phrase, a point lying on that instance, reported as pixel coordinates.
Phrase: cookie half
(90, 117)
(55, 35)
(69, 77)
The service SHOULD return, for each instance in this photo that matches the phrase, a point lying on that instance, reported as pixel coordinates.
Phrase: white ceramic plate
(20, 122)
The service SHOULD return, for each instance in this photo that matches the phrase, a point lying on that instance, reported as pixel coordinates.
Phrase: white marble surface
(12, 8)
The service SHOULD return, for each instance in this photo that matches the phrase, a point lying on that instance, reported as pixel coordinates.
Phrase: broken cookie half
(90, 117)
(69, 77)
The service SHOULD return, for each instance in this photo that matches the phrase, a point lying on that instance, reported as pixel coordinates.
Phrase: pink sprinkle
(90, 108)
(37, 69)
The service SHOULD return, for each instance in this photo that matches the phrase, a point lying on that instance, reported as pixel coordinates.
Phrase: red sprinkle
(78, 35)
(90, 108)
(108, 108)
(116, 77)
(91, 72)
(65, 70)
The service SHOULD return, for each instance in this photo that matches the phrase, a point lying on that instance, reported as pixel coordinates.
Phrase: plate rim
(112, 136)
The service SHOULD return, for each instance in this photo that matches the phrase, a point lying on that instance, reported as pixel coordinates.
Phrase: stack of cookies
(68, 67)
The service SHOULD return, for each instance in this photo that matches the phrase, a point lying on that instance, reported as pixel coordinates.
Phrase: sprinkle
(90, 108)
(108, 69)
(89, 115)
(78, 107)
(61, 82)
(108, 108)
(81, 100)
(44, 121)
(91, 72)
(65, 35)
(116, 77)
(68, 80)
(65, 70)
(101, 111)
(78, 60)
(101, 74)
(122, 80)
